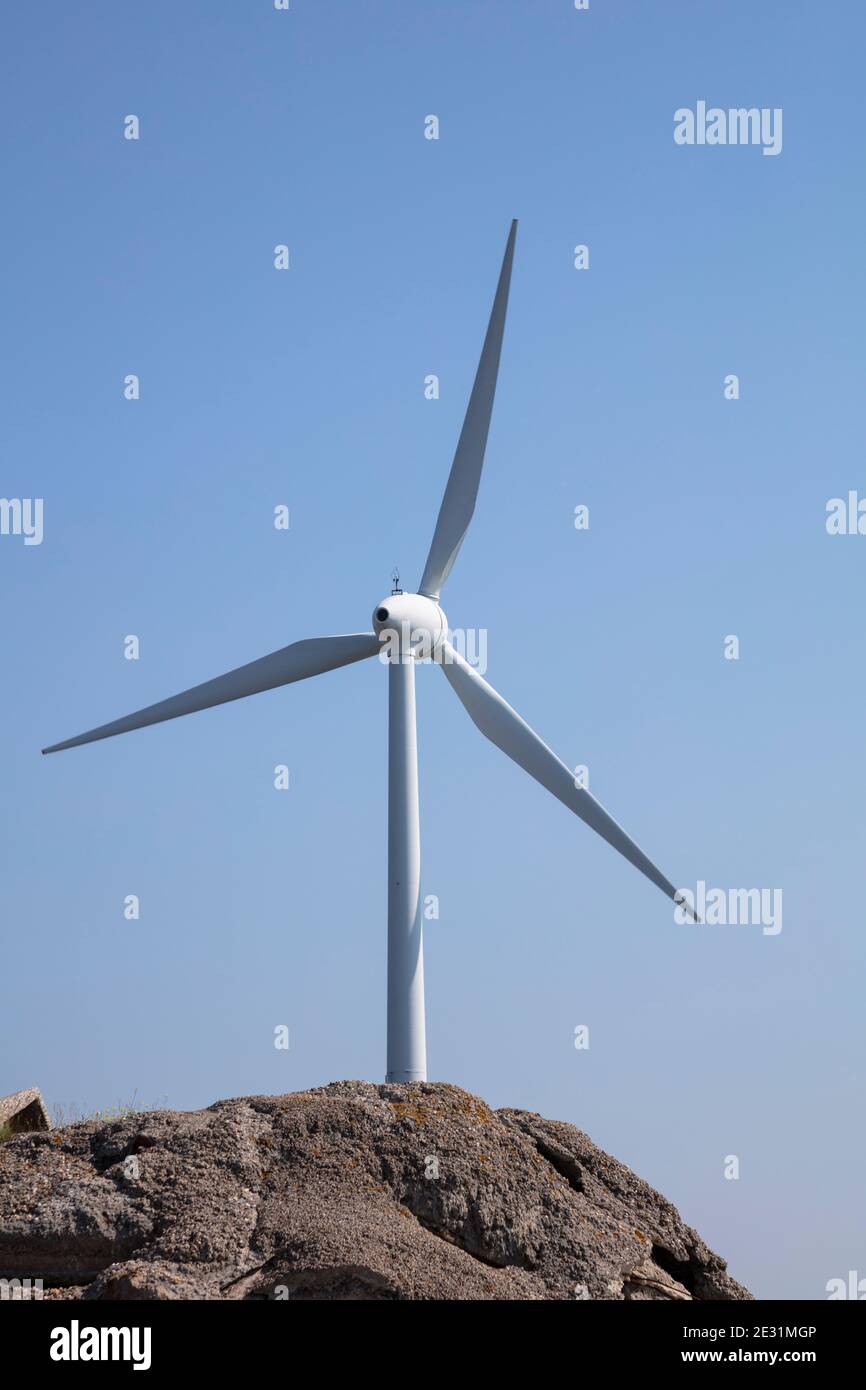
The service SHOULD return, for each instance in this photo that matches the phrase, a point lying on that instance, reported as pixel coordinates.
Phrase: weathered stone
(23, 1111)
(351, 1191)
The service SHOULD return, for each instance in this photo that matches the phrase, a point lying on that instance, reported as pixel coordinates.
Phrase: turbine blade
(310, 657)
(504, 727)
(458, 503)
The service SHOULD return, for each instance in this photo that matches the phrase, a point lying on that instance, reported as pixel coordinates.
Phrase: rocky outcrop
(22, 1111)
(349, 1191)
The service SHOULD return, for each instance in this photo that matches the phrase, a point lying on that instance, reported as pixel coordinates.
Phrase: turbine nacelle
(410, 623)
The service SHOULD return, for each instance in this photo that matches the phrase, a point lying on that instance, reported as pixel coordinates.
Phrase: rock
(22, 1111)
(351, 1191)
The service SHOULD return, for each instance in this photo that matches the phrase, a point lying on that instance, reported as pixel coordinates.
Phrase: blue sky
(305, 387)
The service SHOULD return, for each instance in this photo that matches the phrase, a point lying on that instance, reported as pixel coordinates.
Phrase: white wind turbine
(406, 626)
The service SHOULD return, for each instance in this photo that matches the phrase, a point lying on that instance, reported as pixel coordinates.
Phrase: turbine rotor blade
(310, 657)
(504, 727)
(458, 503)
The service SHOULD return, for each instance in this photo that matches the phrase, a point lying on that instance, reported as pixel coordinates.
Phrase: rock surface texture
(349, 1191)
(23, 1110)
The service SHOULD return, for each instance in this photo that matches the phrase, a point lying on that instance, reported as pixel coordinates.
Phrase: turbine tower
(406, 627)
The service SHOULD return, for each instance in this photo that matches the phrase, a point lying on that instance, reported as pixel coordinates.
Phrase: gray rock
(22, 1111)
(351, 1191)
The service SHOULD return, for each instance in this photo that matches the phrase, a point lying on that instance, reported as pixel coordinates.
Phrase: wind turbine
(407, 626)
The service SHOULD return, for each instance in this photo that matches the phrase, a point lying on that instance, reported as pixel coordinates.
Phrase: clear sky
(305, 387)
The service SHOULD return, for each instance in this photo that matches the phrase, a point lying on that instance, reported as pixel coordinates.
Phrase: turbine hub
(410, 623)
